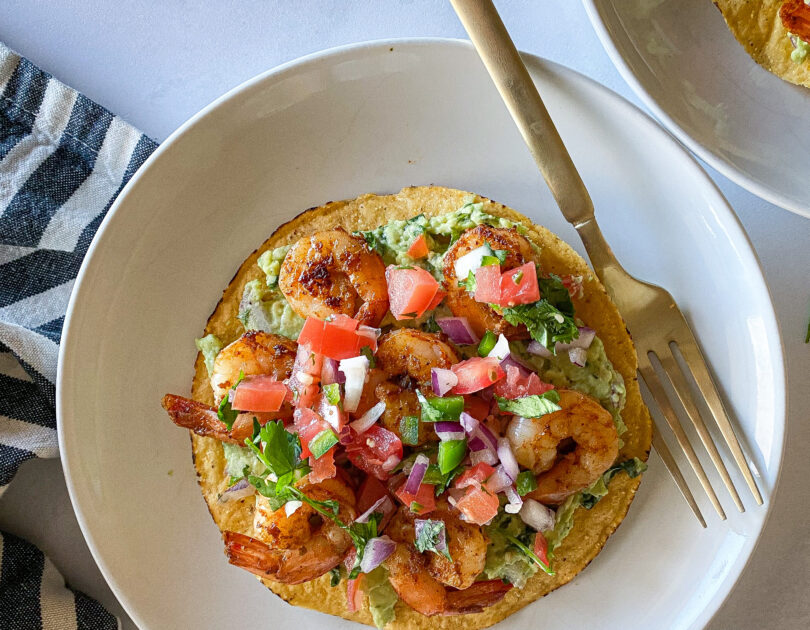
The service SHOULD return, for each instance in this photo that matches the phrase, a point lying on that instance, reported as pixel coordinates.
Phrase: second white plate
(684, 63)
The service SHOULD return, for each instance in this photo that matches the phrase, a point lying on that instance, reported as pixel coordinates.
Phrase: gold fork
(653, 318)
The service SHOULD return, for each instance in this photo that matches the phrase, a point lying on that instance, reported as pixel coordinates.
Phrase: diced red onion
(384, 505)
(442, 380)
(578, 356)
(449, 431)
(584, 340)
(441, 539)
(458, 329)
(499, 480)
(477, 444)
(468, 422)
(239, 490)
(367, 420)
(537, 516)
(330, 372)
(486, 455)
(524, 369)
(501, 348)
(515, 502)
(420, 466)
(507, 457)
(355, 370)
(488, 435)
(376, 552)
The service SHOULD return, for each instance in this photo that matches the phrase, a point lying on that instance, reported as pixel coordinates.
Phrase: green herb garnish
(429, 535)
(532, 406)
(225, 412)
(525, 482)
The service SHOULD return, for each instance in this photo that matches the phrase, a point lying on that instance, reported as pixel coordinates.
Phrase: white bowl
(373, 118)
(684, 63)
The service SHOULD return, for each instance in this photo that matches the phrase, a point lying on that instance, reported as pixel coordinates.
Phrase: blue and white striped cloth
(63, 160)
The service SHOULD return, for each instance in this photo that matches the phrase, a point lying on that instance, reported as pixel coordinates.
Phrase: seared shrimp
(536, 443)
(795, 16)
(252, 354)
(481, 316)
(427, 581)
(298, 547)
(404, 360)
(202, 419)
(334, 272)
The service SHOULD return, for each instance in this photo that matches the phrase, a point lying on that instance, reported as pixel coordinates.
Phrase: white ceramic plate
(376, 117)
(684, 63)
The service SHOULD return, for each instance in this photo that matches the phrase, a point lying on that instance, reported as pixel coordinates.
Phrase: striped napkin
(63, 160)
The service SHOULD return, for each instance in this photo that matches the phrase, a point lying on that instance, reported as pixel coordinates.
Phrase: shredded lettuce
(210, 346)
(381, 596)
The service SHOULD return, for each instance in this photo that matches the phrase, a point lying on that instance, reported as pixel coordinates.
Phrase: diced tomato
(323, 467)
(541, 547)
(419, 247)
(487, 284)
(474, 476)
(336, 339)
(306, 374)
(424, 500)
(477, 407)
(516, 385)
(376, 452)
(354, 594)
(344, 321)
(333, 415)
(410, 291)
(259, 393)
(478, 506)
(477, 373)
(437, 299)
(308, 424)
(370, 491)
(519, 286)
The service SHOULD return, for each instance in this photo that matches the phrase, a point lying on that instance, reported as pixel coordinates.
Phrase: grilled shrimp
(537, 441)
(298, 547)
(795, 16)
(481, 316)
(254, 353)
(404, 359)
(334, 272)
(427, 582)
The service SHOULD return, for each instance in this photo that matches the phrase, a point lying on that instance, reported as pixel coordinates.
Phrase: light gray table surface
(157, 62)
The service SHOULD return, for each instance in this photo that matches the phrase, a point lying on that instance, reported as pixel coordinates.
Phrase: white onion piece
(584, 340)
(239, 490)
(376, 552)
(355, 370)
(501, 349)
(537, 516)
(507, 457)
(515, 502)
(367, 420)
(291, 506)
(499, 480)
(578, 356)
(471, 261)
(487, 456)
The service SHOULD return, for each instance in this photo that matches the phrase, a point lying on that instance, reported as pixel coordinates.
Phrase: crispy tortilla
(592, 527)
(756, 25)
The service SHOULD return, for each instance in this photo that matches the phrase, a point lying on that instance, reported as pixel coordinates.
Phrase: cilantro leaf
(501, 255)
(550, 320)
(282, 449)
(468, 283)
(225, 412)
(335, 575)
(366, 352)
(525, 482)
(431, 325)
(431, 536)
(529, 553)
(532, 406)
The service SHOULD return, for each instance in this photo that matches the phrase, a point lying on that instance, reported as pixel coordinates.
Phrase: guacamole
(801, 49)
(264, 308)
(210, 346)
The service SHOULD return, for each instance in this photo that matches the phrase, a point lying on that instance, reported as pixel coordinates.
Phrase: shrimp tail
(479, 596)
(251, 554)
(197, 417)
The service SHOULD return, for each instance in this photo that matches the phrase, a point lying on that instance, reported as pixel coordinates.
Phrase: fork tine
(666, 456)
(661, 399)
(681, 388)
(697, 364)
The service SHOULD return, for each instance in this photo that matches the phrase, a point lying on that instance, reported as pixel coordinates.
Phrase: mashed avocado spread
(263, 307)
(801, 49)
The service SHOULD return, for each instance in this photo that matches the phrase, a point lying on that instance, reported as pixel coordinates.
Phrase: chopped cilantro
(431, 325)
(439, 480)
(550, 320)
(525, 482)
(432, 537)
(335, 576)
(501, 255)
(532, 406)
(225, 412)
(529, 553)
(367, 352)
(469, 282)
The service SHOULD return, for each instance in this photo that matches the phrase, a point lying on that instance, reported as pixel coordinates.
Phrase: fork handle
(503, 62)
